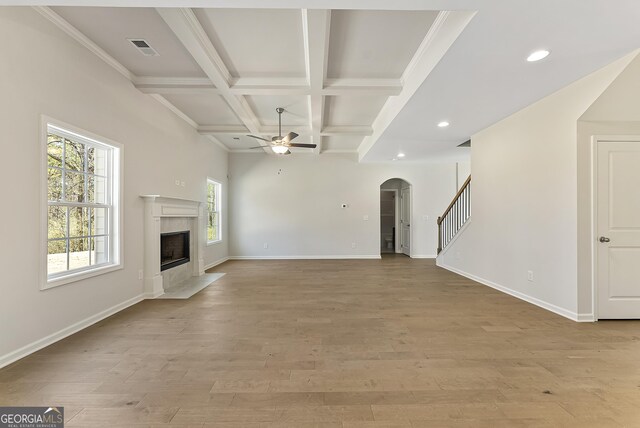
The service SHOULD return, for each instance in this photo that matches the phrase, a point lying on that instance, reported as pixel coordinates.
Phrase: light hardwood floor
(391, 343)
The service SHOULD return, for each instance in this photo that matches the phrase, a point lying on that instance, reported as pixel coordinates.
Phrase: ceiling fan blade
(311, 146)
(257, 147)
(288, 152)
(290, 136)
(259, 138)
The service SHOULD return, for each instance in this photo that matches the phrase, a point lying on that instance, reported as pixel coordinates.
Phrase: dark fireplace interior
(174, 249)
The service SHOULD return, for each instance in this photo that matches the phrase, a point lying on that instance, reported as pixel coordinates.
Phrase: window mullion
(67, 233)
(63, 171)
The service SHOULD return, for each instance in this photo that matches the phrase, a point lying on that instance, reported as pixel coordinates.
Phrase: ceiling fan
(280, 145)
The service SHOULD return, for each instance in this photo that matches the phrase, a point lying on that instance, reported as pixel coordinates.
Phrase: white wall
(524, 199)
(464, 171)
(48, 73)
(615, 112)
(293, 203)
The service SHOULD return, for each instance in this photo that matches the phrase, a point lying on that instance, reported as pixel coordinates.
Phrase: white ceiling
(256, 43)
(226, 70)
(369, 76)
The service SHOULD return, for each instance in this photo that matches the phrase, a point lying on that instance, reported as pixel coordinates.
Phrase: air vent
(144, 47)
(465, 144)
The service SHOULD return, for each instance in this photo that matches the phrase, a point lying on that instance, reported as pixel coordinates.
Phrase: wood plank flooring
(390, 343)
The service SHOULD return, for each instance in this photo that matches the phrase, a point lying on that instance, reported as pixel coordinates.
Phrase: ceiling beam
(174, 85)
(446, 28)
(385, 87)
(267, 86)
(270, 86)
(222, 130)
(338, 131)
(185, 25)
(327, 131)
(315, 30)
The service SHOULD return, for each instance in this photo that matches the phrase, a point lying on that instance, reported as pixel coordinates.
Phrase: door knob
(604, 239)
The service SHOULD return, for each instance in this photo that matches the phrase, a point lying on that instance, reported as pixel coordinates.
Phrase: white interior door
(618, 229)
(405, 220)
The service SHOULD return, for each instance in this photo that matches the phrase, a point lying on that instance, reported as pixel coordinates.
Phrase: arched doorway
(395, 217)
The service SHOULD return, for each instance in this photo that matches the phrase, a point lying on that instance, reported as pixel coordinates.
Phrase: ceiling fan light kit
(281, 150)
(280, 145)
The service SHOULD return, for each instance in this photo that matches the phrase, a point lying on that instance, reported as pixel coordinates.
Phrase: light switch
(365, 217)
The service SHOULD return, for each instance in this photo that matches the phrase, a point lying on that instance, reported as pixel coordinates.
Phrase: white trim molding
(14, 356)
(216, 263)
(310, 257)
(517, 294)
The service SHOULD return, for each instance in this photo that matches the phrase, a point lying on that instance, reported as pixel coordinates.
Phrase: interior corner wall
(293, 205)
(524, 199)
(48, 73)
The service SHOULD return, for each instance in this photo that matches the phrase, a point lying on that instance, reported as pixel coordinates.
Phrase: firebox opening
(174, 249)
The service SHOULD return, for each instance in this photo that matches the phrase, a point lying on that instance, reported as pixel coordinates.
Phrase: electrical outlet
(530, 275)
(265, 245)
(425, 217)
(140, 274)
(353, 245)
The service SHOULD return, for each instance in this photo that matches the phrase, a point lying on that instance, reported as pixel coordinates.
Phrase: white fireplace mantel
(155, 208)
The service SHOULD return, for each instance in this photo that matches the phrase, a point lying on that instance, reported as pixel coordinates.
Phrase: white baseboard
(424, 256)
(11, 357)
(336, 257)
(216, 263)
(151, 296)
(533, 300)
(586, 318)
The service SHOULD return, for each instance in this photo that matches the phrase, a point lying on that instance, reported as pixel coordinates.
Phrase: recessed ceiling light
(400, 155)
(538, 55)
(443, 124)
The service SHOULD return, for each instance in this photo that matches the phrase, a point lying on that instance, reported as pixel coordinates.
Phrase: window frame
(116, 207)
(218, 187)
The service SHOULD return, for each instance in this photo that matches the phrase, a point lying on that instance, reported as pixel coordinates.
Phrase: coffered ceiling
(226, 70)
(368, 76)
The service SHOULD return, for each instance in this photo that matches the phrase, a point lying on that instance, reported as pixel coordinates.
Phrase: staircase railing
(455, 216)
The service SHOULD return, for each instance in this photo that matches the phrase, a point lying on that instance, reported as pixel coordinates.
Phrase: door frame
(410, 189)
(595, 140)
(396, 219)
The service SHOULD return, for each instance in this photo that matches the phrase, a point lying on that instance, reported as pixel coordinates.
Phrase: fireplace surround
(167, 215)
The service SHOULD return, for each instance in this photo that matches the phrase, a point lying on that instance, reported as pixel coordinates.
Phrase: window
(82, 215)
(213, 211)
